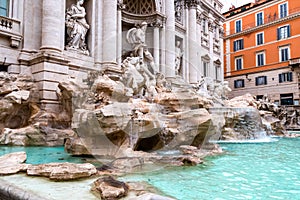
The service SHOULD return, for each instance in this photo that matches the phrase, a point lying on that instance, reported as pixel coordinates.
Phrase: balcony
(11, 28)
(294, 62)
(269, 19)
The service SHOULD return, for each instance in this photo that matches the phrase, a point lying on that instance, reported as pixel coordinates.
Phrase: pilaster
(53, 23)
(110, 30)
(170, 38)
(192, 39)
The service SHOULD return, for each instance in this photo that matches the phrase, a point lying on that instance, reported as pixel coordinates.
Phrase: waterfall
(237, 124)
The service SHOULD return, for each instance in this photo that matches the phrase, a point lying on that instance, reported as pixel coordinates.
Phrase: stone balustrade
(11, 28)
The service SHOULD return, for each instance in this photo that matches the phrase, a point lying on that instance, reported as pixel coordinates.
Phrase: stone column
(221, 40)
(98, 34)
(156, 41)
(109, 40)
(192, 34)
(211, 71)
(119, 35)
(53, 20)
(162, 67)
(170, 38)
(186, 49)
(199, 73)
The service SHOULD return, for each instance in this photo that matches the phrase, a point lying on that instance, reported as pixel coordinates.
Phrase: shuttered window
(285, 77)
(240, 83)
(259, 19)
(261, 80)
(238, 45)
(283, 32)
(259, 38)
(283, 10)
(238, 26)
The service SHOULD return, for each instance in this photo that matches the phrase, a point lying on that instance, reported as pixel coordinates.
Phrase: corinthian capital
(191, 3)
(121, 5)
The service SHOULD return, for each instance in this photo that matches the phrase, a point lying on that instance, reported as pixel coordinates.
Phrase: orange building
(262, 50)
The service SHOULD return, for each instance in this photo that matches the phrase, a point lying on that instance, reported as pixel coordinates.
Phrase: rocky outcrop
(19, 97)
(13, 163)
(23, 122)
(113, 117)
(35, 135)
(110, 188)
(62, 171)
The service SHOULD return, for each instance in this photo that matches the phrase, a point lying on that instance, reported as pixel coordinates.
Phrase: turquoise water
(246, 171)
(40, 155)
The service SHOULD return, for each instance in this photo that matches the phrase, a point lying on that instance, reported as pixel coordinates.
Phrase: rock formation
(62, 171)
(13, 163)
(22, 121)
(109, 188)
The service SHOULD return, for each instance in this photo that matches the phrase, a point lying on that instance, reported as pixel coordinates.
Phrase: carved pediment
(205, 57)
(217, 62)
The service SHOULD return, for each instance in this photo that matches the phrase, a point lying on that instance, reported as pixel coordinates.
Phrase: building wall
(35, 43)
(273, 66)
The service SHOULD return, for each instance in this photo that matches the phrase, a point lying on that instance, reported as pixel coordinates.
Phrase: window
(204, 25)
(205, 68)
(261, 80)
(283, 32)
(238, 45)
(285, 77)
(283, 11)
(286, 99)
(3, 7)
(259, 19)
(218, 72)
(239, 63)
(238, 26)
(284, 53)
(259, 38)
(260, 59)
(240, 83)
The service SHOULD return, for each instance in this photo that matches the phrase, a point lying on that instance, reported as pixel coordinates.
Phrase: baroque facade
(261, 50)
(57, 40)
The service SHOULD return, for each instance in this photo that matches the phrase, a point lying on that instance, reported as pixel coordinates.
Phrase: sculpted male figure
(77, 27)
(137, 37)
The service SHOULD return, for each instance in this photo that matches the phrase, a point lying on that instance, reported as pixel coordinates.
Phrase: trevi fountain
(131, 133)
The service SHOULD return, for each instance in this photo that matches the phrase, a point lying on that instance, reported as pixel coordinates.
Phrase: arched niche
(136, 11)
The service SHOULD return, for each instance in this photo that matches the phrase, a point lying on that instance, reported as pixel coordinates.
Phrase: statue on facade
(178, 11)
(137, 38)
(179, 54)
(77, 28)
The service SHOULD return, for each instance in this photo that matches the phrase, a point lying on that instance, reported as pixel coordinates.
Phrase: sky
(237, 3)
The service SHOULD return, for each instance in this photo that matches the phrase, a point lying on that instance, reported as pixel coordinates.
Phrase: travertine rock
(35, 135)
(13, 163)
(110, 189)
(62, 171)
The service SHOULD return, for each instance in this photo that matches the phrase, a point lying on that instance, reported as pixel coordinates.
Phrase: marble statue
(77, 28)
(137, 38)
(178, 11)
(179, 54)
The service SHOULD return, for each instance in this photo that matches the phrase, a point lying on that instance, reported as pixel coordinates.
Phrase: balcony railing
(268, 19)
(294, 61)
(12, 29)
